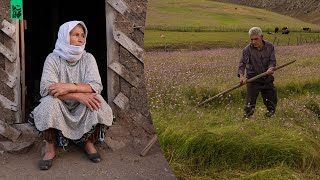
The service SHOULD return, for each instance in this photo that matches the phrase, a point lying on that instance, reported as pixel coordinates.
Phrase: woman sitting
(71, 107)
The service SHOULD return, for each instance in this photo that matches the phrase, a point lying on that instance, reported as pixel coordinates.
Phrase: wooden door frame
(12, 72)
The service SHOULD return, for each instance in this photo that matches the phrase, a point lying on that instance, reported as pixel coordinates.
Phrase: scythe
(240, 84)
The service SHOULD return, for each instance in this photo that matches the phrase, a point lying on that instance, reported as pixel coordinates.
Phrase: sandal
(94, 157)
(45, 164)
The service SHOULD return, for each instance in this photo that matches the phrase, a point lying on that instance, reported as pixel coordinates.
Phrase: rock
(26, 129)
(117, 130)
(16, 147)
(23, 143)
(9, 132)
(114, 145)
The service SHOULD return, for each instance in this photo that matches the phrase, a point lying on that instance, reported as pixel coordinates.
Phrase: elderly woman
(71, 107)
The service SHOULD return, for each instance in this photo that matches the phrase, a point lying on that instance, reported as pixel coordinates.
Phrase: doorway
(41, 32)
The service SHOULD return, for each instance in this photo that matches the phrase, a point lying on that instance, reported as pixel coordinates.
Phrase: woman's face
(77, 36)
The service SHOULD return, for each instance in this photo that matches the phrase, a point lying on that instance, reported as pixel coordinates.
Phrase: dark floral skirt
(96, 133)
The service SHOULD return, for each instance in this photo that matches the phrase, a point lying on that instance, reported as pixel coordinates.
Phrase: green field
(169, 40)
(214, 141)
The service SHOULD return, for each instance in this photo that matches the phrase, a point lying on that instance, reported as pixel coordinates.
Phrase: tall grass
(243, 146)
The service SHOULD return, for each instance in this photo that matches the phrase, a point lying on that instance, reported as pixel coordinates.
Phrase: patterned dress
(72, 118)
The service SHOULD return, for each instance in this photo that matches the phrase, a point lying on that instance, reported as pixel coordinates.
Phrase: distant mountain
(306, 10)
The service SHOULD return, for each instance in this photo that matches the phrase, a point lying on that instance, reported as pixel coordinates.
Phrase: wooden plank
(125, 74)
(134, 17)
(112, 56)
(23, 71)
(118, 5)
(130, 45)
(142, 121)
(8, 28)
(16, 70)
(149, 145)
(121, 101)
(7, 53)
(6, 103)
(13, 46)
(6, 78)
(9, 132)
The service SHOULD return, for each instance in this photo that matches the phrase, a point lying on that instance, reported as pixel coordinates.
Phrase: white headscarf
(63, 48)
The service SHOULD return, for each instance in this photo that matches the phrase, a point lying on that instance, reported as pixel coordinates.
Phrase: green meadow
(214, 141)
(173, 40)
(193, 49)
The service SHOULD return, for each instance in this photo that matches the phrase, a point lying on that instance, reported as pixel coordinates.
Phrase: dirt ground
(73, 164)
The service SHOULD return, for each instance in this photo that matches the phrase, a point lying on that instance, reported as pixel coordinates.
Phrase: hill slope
(206, 15)
(306, 10)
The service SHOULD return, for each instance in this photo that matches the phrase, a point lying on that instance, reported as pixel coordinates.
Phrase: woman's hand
(91, 100)
(59, 89)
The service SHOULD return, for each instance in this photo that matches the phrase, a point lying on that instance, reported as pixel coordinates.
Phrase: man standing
(258, 57)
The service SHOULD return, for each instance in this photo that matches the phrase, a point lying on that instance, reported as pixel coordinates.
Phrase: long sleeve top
(71, 117)
(256, 61)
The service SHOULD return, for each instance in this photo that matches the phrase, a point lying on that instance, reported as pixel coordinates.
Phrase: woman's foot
(50, 151)
(91, 152)
(89, 147)
(47, 159)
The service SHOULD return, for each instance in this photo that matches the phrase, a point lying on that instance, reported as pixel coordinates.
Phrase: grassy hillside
(306, 10)
(202, 24)
(206, 15)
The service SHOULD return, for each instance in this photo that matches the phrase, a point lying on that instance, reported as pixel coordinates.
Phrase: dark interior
(43, 23)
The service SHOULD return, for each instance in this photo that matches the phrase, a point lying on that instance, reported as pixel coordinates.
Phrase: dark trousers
(268, 93)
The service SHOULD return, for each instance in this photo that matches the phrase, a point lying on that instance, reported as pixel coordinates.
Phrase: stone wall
(133, 124)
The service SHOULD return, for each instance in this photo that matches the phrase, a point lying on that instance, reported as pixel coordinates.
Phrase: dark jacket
(256, 61)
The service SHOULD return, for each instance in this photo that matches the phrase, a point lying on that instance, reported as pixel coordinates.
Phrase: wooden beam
(16, 69)
(142, 121)
(7, 78)
(122, 101)
(23, 71)
(112, 56)
(149, 145)
(130, 45)
(7, 53)
(6, 103)
(134, 17)
(8, 28)
(118, 5)
(125, 74)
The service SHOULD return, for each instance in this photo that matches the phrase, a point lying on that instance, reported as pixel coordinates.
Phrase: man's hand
(270, 71)
(243, 79)
(59, 89)
(91, 100)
